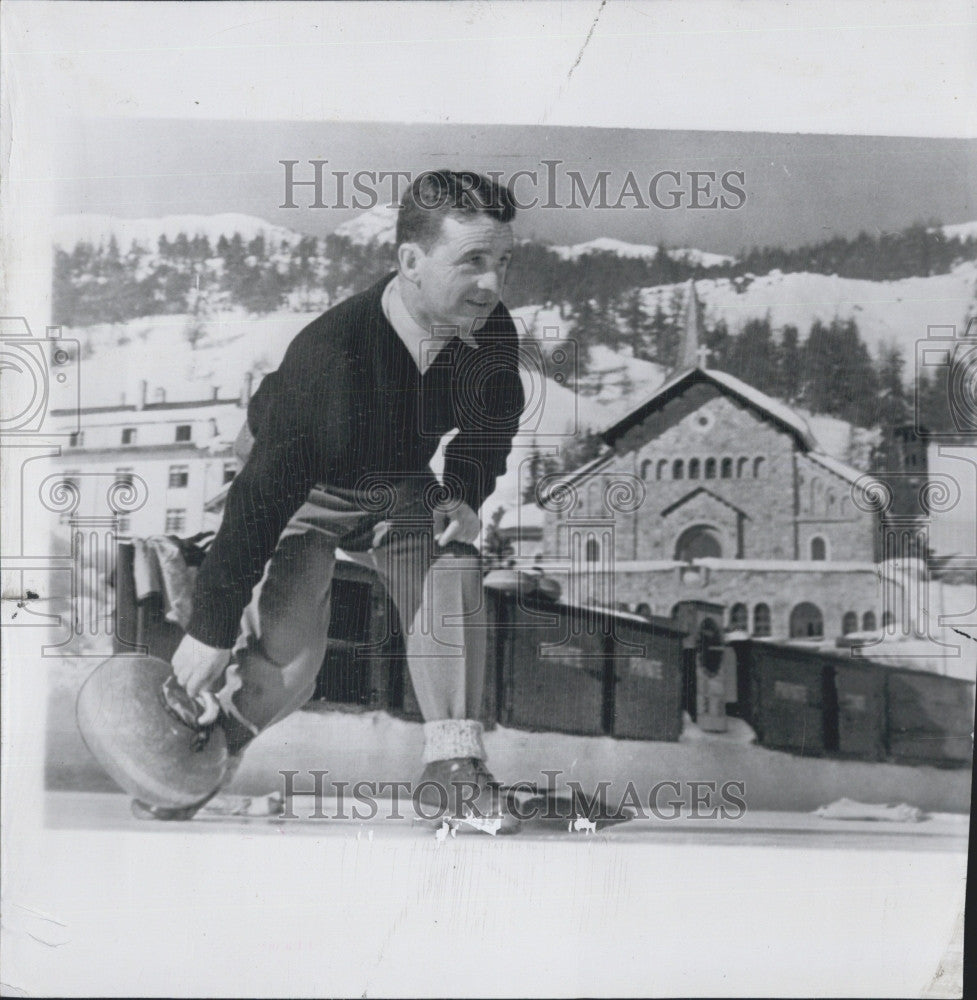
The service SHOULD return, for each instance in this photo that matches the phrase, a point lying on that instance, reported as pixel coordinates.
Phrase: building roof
(767, 406)
(847, 472)
(148, 408)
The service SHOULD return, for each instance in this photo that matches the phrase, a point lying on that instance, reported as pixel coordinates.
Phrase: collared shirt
(416, 339)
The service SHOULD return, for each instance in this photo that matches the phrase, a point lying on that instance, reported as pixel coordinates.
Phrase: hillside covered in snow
(222, 296)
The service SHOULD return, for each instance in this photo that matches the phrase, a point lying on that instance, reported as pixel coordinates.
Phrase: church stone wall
(764, 494)
(825, 509)
(833, 592)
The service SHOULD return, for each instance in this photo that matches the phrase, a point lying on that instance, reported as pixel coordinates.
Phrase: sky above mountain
(780, 189)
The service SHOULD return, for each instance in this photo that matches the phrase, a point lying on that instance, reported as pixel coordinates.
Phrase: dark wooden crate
(787, 695)
(930, 718)
(553, 668)
(859, 690)
(647, 674)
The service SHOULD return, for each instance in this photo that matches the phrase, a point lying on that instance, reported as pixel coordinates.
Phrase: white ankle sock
(447, 738)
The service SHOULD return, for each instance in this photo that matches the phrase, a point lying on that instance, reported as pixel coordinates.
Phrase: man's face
(459, 280)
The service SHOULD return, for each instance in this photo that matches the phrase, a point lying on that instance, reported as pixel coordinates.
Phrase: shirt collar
(406, 327)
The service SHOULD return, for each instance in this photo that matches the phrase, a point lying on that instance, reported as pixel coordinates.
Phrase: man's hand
(463, 525)
(197, 665)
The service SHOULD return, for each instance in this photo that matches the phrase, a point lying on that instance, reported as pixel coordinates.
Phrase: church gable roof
(769, 408)
(692, 494)
(841, 469)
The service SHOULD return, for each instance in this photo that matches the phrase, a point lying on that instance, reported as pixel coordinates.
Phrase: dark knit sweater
(349, 402)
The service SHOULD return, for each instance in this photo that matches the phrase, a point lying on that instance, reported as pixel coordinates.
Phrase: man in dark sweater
(344, 432)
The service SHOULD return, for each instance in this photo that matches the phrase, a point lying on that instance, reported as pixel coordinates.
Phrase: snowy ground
(776, 903)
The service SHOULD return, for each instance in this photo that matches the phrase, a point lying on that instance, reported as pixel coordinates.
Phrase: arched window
(592, 551)
(761, 619)
(693, 468)
(757, 467)
(678, 469)
(819, 549)
(660, 471)
(644, 610)
(806, 621)
(726, 469)
(849, 623)
(739, 618)
(887, 619)
(868, 622)
(701, 541)
(645, 466)
(710, 468)
(829, 503)
(741, 467)
(817, 488)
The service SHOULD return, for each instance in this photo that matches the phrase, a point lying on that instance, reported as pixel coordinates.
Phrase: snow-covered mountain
(98, 229)
(897, 312)
(378, 225)
(606, 244)
(960, 230)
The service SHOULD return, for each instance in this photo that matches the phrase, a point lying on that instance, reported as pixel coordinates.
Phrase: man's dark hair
(439, 193)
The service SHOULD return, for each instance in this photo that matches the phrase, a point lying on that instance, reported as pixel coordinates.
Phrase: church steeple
(692, 354)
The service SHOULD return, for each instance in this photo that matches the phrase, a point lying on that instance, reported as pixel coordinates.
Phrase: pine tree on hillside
(789, 365)
(752, 355)
(717, 338)
(636, 322)
(893, 404)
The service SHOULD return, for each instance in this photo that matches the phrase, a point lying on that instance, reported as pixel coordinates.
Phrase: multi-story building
(177, 454)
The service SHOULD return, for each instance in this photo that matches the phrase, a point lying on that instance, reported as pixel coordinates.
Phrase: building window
(806, 621)
(123, 524)
(128, 435)
(644, 610)
(660, 471)
(179, 476)
(761, 619)
(757, 467)
(710, 468)
(726, 469)
(693, 468)
(76, 440)
(888, 621)
(739, 618)
(645, 466)
(123, 477)
(592, 551)
(230, 471)
(176, 519)
(183, 432)
(678, 469)
(849, 623)
(701, 541)
(868, 622)
(819, 549)
(741, 467)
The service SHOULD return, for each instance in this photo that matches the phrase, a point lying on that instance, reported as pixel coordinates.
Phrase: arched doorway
(806, 621)
(701, 541)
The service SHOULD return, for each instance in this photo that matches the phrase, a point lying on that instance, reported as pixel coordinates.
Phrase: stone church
(712, 491)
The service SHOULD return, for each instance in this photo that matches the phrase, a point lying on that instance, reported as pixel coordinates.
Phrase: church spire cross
(702, 355)
(690, 354)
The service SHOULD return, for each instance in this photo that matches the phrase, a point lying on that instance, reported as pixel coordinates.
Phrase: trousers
(438, 596)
